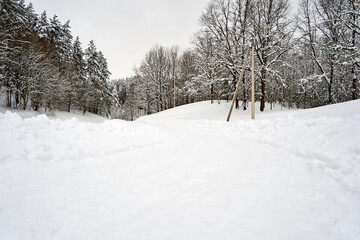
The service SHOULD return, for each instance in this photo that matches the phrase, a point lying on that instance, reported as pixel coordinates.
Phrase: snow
(184, 173)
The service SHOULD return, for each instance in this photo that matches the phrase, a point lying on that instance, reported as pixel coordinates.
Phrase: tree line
(305, 60)
(42, 66)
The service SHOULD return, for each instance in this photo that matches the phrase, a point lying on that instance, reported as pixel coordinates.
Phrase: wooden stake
(238, 85)
(252, 81)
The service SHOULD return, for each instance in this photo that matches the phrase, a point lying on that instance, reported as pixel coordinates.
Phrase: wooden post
(238, 85)
(252, 81)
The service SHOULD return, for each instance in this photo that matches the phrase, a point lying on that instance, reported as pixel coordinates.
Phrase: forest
(301, 61)
(42, 66)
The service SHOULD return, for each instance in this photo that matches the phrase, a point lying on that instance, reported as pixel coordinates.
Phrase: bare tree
(333, 39)
(156, 69)
(226, 21)
(272, 33)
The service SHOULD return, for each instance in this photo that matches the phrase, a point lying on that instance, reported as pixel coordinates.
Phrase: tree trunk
(354, 83)
(8, 98)
(25, 98)
(244, 39)
(161, 98)
(330, 100)
(148, 107)
(35, 107)
(17, 100)
(354, 80)
(262, 96)
(69, 104)
(237, 97)
(212, 93)
(244, 96)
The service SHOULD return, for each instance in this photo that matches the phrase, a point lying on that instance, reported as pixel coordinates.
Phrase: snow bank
(42, 139)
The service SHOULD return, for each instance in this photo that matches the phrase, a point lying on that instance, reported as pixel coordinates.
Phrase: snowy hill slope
(183, 174)
(205, 110)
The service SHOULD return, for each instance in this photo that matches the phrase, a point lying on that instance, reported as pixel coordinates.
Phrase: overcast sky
(124, 30)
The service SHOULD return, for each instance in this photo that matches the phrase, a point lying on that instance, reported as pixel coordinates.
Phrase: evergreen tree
(12, 20)
(99, 95)
(79, 75)
(43, 26)
(92, 75)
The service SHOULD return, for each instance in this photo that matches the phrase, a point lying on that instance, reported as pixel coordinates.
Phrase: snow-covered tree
(40, 65)
(225, 24)
(79, 75)
(207, 67)
(12, 23)
(273, 34)
(156, 70)
(333, 41)
(99, 96)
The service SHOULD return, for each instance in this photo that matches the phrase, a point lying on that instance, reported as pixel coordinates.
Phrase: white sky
(124, 30)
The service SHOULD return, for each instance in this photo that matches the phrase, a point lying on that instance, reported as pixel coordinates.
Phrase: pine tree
(43, 26)
(79, 75)
(107, 97)
(98, 94)
(11, 35)
(92, 75)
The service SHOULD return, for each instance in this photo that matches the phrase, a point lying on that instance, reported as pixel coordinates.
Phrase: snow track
(175, 175)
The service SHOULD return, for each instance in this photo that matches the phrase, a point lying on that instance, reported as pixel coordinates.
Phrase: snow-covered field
(183, 174)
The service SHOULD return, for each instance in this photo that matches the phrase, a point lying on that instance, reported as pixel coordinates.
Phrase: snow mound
(40, 138)
(219, 111)
(184, 173)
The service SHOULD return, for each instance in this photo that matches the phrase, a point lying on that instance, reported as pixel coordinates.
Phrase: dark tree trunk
(161, 98)
(17, 100)
(148, 108)
(69, 104)
(354, 83)
(330, 100)
(25, 100)
(354, 80)
(8, 98)
(212, 93)
(244, 100)
(244, 25)
(262, 96)
(237, 97)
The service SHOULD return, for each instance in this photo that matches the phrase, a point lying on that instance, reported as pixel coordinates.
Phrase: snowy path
(267, 186)
(171, 176)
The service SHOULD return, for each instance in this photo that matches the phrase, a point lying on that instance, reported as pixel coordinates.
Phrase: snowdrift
(184, 173)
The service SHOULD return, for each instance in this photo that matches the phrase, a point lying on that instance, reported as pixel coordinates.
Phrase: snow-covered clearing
(182, 174)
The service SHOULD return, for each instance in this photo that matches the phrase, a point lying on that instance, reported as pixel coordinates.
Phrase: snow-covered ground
(182, 174)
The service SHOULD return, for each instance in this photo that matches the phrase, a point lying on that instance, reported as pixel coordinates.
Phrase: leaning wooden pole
(238, 85)
(252, 81)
